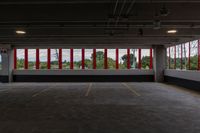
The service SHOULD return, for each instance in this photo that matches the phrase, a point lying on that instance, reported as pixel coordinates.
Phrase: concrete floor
(98, 108)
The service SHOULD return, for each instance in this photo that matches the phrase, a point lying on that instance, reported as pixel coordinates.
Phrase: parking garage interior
(99, 66)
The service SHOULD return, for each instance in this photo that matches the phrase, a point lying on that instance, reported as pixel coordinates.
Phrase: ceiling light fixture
(20, 32)
(172, 31)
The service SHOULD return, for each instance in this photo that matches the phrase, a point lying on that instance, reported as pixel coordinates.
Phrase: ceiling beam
(29, 2)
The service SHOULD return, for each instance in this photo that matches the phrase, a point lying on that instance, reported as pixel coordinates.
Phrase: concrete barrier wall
(188, 75)
(187, 79)
(83, 76)
(83, 72)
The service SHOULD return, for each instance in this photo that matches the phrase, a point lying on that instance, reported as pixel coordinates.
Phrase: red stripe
(117, 58)
(174, 57)
(49, 59)
(128, 59)
(169, 57)
(198, 54)
(189, 56)
(37, 59)
(94, 58)
(139, 59)
(83, 58)
(151, 59)
(15, 58)
(60, 58)
(181, 56)
(105, 59)
(71, 58)
(26, 59)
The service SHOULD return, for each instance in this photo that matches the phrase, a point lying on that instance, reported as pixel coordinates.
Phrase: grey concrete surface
(98, 108)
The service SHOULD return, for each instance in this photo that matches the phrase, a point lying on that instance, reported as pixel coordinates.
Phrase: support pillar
(159, 62)
(7, 65)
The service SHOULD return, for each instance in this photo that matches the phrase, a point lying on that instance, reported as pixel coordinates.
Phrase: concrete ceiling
(113, 23)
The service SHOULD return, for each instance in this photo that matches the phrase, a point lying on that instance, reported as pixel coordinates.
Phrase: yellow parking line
(131, 89)
(88, 89)
(38, 93)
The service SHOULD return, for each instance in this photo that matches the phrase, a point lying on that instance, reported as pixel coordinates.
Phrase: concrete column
(159, 62)
(7, 66)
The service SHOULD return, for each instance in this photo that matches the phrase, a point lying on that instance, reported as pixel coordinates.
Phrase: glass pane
(134, 58)
(43, 58)
(100, 58)
(167, 58)
(172, 52)
(178, 57)
(88, 58)
(111, 58)
(185, 55)
(31, 58)
(122, 58)
(145, 55)
(194, 55)
(54, 58)
(20, 59)
(66, 58)
(77, 59)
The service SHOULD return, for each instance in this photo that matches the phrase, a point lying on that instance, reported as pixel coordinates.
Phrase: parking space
(98, 108)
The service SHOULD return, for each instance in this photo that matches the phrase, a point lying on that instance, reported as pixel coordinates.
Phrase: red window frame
(26, 58)
(151, 59)
(37, 59)
(83, 58)
(60, 58)
(139, 59)
(71, 59)
(117, 58)
(189, 56)
(181, 56)
(198, 54)
(128, 59)
(174, 57)
(48, 58)
(105, 58)
(94, 58)
(15, 58)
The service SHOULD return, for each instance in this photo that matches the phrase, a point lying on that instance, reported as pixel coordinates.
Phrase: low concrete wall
(83, 72)
(83, 76)
(188, 75)
(187, 79)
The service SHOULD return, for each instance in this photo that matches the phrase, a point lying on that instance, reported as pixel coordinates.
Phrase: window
(20, 59)
(194, 55)
(168, 58)
(145, 58)
(122, 58)
(184, 56)
(111, 58)
(31, 58)
(88, 59)
(66, 58)
(134, 58)
(54, 58)
(172, 57)
(100, 59)
(74, 58)
(77, 59)
(43, 58)
(178, 57)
